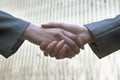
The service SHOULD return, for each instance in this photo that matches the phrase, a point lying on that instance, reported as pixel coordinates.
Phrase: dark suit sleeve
(11, 29)
(107, 36)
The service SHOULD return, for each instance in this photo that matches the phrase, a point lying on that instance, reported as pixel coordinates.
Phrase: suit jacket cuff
(10, 42)
(107, 36)
(13, 41)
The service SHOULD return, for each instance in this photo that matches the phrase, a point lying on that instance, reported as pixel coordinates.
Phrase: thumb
(51, 25)
(46, 26)
(43, 46)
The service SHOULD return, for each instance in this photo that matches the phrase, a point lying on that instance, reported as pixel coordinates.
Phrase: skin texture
(60, 38)
(80, 31)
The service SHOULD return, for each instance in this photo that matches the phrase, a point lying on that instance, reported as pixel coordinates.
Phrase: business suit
(107, 36)
(11, 29)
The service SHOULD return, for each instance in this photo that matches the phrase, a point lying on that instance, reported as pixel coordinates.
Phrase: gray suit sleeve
(11, 29)
(107, 36)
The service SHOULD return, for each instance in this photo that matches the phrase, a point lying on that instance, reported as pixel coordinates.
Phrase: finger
(75, 38)
(50, 48)
(70, 53)
(61, 55)
(58, 47)
(61, 52)
(80, 43)
(71, 43)
(43, 46)
(69, 56)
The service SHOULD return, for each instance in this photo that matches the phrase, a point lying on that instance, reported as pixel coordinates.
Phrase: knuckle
(51, 55)
(57, 34)
(71, 54)
(73, 45)
(57, 57)
(48, 48)
(78, 51)
(74, 37)
(45, 54)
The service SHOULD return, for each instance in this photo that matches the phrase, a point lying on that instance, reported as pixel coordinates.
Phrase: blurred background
(29, 63)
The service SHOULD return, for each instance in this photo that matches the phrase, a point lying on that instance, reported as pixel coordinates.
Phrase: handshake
(59, 40)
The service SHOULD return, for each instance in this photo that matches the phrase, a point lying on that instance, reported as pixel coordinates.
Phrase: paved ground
(30, 64)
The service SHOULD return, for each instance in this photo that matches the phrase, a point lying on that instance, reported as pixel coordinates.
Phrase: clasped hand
(59, 40)
(69, 43)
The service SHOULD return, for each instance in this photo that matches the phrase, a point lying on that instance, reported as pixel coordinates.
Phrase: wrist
(27, 32)
(86, 36)
(31, 34)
